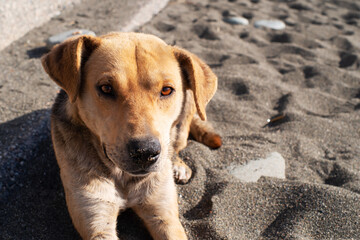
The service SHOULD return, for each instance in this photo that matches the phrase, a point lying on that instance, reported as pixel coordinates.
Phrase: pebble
(272, 24)
(58, 38)
(236, 20)
(271, 166)
(244, 34)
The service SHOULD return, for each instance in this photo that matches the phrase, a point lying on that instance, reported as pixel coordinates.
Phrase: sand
(309, 71)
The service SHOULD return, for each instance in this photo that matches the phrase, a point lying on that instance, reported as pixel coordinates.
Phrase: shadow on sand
(32, 199)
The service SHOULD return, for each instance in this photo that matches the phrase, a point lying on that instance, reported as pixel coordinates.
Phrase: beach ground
(307, 72)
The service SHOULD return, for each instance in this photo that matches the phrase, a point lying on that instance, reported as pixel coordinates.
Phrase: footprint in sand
(275, 51)
(214, 59)
(351, 18)
(348, 33)
(240, 88)
(244, 59)
(298, 39)
(348, 59)
(283, 67)
(309, 73)
(244, 34)
(205, 32)
(357, 95)
(235, 85)
(281, 38)
(219, 60)
(339, 176)
(164, 27)
(286, 69)
(299, 6)
(283, 102)
(342, 43)
(248, 15)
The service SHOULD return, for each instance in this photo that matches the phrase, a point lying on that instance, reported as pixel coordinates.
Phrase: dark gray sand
(309, 71)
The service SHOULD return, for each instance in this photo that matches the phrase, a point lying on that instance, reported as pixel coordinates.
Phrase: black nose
(144, 150)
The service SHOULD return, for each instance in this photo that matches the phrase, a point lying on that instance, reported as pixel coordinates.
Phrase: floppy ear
(63, 63)
(202, 81)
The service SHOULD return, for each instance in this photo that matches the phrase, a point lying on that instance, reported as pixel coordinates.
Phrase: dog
(127, 105)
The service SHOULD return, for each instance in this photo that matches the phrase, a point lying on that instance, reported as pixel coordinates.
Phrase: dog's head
(128, 89)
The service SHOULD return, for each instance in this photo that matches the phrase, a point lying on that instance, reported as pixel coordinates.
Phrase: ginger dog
(126, 109)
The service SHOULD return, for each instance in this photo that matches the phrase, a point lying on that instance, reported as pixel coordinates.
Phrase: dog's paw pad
(182, 172)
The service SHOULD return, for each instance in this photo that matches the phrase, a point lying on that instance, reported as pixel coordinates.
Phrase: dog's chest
(134, 190)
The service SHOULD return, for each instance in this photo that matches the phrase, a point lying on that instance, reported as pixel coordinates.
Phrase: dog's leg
(160, 214)
(204, 133)
(93, 208)
(182, 173)
(200, 130)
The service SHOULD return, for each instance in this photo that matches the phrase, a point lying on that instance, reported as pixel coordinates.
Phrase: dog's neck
(71, 110)
(66, 111)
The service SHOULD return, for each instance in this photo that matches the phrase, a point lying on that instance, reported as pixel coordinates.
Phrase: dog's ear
(201, 80)
(63, 63)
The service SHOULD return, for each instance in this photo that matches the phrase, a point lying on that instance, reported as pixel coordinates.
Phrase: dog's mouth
(138, 173)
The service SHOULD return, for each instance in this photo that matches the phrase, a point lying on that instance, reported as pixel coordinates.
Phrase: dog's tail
(204, 133)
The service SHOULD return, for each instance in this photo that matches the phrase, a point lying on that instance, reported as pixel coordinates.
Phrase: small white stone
(236, 20)
(58, 38)
(271, 166)
(272, 24)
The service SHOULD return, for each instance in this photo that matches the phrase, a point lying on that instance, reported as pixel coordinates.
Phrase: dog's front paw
(182, 173)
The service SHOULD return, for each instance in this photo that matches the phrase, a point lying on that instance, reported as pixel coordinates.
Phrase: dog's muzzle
(143, 153)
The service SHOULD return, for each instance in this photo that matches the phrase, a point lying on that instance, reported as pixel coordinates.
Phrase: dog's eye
(106, 89)
(166, 91)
